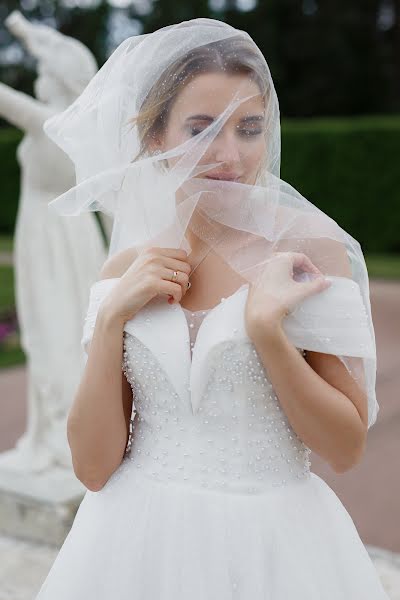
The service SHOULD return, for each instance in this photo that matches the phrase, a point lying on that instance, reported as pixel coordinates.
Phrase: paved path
(370, 491)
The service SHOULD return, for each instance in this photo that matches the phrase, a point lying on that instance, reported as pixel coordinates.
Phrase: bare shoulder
(118, 264)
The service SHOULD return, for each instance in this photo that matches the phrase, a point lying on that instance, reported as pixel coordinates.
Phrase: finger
(310, 288)
(181, 278)
(176, 265)
(170, 289)
(177, 253)
(302, 260)
(318, 285)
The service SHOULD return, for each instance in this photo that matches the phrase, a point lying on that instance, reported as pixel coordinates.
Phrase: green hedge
(9, 178)
(349, 168)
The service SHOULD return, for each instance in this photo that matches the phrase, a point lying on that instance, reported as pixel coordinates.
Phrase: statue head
(65, 65)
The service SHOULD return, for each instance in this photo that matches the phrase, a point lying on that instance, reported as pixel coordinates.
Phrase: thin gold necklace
(189, 285)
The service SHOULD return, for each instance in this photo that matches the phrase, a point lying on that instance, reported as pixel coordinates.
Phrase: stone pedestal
(39, 507)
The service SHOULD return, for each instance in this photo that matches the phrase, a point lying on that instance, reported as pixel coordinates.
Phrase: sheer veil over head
(177, 137)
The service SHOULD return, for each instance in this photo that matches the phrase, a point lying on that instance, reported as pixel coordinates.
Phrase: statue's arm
(22, 110)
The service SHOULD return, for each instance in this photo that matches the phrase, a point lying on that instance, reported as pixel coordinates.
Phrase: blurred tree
(327, 57)
(323, 55)
(87, 25)
(389, 48)
(168, 12)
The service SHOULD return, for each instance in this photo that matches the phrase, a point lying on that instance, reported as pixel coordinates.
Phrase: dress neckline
(212, 308)
(196, 312)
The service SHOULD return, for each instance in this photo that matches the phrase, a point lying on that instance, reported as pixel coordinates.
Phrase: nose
(227, 149)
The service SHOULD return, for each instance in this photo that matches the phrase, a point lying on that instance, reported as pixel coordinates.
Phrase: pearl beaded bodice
(239, 440)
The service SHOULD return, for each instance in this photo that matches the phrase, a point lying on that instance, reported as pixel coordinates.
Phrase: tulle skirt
(141, 539)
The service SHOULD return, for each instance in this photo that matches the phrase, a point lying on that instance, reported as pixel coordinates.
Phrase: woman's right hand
(149, 275)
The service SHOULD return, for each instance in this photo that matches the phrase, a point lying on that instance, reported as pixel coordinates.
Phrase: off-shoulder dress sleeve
(336, 321)
(98, 291)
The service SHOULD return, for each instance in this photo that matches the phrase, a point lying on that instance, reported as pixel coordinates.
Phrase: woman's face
(240, 144)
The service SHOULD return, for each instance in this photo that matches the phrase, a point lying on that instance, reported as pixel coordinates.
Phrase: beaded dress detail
(214, 497)
(242, 443)
(194, 319)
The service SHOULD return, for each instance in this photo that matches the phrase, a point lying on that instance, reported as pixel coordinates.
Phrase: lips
(224, 177)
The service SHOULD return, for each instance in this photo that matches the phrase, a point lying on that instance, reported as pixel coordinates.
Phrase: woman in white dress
(231, 327)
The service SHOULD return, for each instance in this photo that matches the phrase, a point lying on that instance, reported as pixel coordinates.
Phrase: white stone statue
(56, 258)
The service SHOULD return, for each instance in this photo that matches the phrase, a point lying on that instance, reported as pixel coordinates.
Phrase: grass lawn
(6, 289)
(380, 266)
(6, 243)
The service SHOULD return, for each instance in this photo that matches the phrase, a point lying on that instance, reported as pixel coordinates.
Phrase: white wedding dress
(215, 499)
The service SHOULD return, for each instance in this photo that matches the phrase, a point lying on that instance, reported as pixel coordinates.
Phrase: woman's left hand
(275, 294)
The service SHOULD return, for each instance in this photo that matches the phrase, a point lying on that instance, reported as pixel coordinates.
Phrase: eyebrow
(250, 119)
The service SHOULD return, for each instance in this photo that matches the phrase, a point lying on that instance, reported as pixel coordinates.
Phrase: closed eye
(246, 133)
(247, 127)
(196, 130)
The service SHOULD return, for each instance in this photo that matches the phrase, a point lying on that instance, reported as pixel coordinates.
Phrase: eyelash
(244, 132)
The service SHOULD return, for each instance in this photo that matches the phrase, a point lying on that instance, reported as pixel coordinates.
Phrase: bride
(229, 335)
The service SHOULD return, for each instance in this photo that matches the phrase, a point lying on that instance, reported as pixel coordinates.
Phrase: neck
(196, 243)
